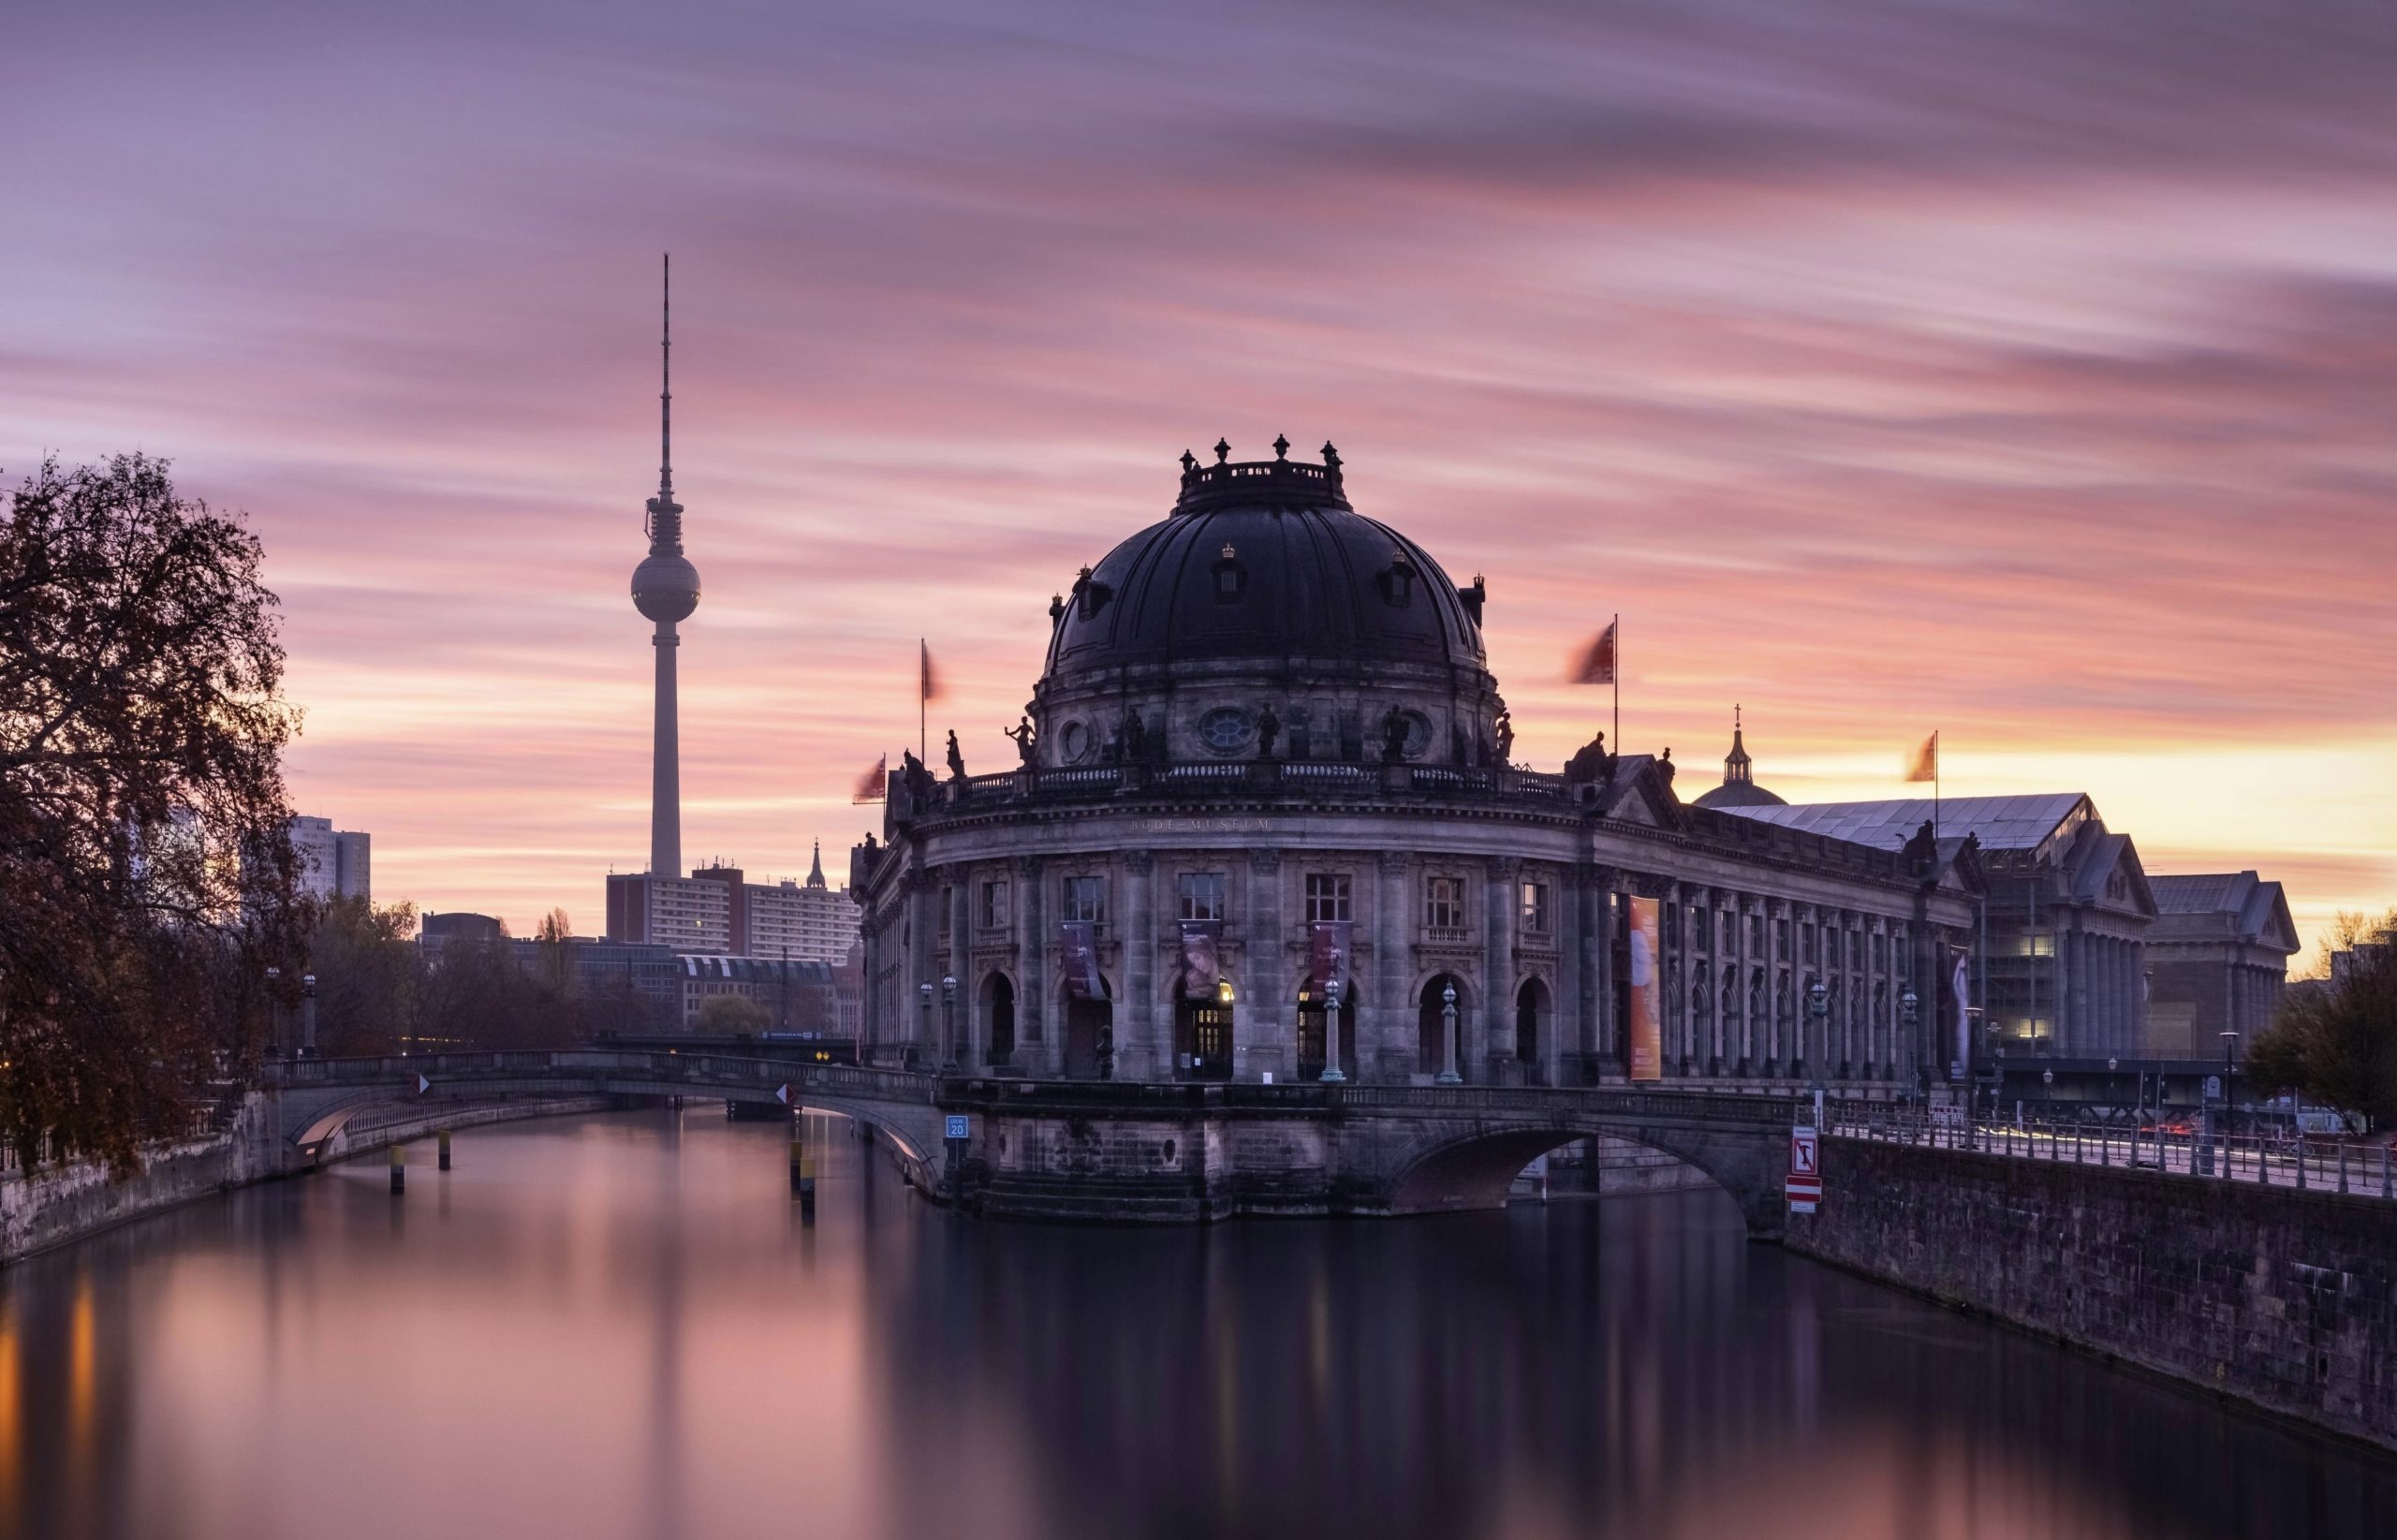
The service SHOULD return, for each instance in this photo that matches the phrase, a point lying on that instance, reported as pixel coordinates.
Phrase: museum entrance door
(1090, 1041)
(1202, 1040)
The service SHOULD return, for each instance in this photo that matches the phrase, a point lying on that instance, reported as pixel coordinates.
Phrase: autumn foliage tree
(2334, 1039)
(146, 869)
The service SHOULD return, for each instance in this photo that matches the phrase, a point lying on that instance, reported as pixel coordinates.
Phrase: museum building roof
(1265, 562)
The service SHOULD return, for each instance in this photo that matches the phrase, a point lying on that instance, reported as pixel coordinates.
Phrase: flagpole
(1617, 628)
(1935, 784)
(924, 697)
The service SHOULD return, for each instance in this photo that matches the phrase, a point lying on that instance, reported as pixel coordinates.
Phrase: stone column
(1673, 962)
(1143, 1034)
(1032, 1036)
(1776, 963)
(1606, 1032)
(1387, 1020)
(961, 968)
(923, 963)
(1491, 1034)
(1265, 1014)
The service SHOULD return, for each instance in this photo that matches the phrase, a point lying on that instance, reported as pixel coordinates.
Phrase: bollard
(399, 1169)
(2342, 1166)
(444, 1161)
(803, 1173)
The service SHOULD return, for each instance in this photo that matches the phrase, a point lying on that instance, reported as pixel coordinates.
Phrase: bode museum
(1267, 828)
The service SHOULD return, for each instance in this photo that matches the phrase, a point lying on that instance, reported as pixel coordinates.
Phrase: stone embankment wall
(65, 1203)
(2284, 1299)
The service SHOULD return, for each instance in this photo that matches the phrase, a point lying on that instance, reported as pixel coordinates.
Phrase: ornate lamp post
(275, 1010)
(948, 1020)
(308, 1016)
(1448, 1074)
(1332, 1075)
(925, 1036)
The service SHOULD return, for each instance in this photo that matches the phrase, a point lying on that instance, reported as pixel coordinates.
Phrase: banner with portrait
(1201, 963)
(1079, 964)
(1647, 1045)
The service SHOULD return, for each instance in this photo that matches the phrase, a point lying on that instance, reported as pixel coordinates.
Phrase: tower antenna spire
(665, 379)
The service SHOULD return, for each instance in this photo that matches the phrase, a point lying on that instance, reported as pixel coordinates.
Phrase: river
(619, 1327)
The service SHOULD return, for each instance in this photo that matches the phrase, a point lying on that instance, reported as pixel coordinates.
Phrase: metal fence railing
(2304, 1164)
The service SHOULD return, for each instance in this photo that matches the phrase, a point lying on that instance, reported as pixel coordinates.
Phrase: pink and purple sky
(2026, 371)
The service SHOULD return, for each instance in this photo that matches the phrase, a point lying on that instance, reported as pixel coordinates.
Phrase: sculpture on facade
(956, 757)
(1269, 727)
(1394, 737)
(1026, 737)
(1505, 727)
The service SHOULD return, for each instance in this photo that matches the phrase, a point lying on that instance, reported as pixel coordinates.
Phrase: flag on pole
(1597, 660)
(1923, 763)
(931, 680)
(874, 785)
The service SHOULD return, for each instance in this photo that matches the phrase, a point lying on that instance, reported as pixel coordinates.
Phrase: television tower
(666, 589)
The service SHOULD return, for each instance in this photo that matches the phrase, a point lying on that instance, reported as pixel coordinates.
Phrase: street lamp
(274, 1007)
(924, 1035)
(308, 1016)
(2230, 1051)
(948, 1019)
(1448, 1074)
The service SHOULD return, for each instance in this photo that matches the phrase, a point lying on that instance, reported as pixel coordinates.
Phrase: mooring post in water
(399, 1168)
(802, 1171)
(444, 1161)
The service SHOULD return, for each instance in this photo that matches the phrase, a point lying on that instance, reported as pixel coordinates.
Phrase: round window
(1227, 729)
(1076, 742)
(1419, 733)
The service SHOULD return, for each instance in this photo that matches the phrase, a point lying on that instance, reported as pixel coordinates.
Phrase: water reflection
(619, 1327)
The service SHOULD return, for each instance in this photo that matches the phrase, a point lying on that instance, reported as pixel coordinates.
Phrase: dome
(1741, 794)
(1264, 565)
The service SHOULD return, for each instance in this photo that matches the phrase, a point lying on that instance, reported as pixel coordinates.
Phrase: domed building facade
(1267, 826)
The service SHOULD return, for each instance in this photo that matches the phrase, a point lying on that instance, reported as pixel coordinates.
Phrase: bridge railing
(2328, 1166)
(699, 1071)
(1508, 1101)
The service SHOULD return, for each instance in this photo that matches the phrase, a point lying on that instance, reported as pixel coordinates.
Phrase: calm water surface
(618, 1327)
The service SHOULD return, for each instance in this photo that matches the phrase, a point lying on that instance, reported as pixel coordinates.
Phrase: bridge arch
(1456, 1169)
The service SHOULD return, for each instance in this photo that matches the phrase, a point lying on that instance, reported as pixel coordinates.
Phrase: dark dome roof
(1741, 794)
(1265, 562)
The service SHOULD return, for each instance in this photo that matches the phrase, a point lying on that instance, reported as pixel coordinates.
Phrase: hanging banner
(1078, 938)
(1960, 986)
(1201, 968)
(1327, 949)
(1647, 1047)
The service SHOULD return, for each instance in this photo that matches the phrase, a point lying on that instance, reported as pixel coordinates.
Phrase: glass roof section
(2002, 823)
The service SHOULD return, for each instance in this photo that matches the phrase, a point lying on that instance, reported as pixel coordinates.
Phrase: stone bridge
(1118, 1150)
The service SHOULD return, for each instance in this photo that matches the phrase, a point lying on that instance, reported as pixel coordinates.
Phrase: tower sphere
(666, 587)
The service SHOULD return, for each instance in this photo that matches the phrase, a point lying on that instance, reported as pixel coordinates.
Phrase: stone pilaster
(1142, 1021)
(1388, 1020)
(1267, 1014)
(1032, 996)
(1491, 1034)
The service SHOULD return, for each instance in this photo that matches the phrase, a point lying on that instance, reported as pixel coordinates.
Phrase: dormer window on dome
(1232, 577)
(1397, 583)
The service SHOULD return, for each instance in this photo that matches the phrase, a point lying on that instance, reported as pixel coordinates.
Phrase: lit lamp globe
(666, 588)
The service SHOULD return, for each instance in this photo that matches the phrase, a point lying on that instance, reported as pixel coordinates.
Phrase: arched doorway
(1431, 1022)
(1311, 1031)
(1530, 1020)
(1202, 1035)
(998, 1020)
(1090, 1036)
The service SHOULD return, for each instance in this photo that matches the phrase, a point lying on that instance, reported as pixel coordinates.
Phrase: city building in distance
(717, 911)
(334, 861)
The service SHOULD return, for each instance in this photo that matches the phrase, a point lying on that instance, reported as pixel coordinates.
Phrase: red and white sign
(1805, 1185)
